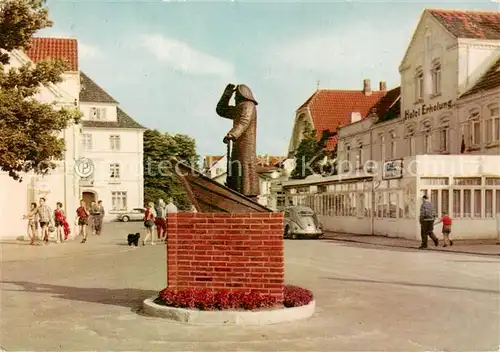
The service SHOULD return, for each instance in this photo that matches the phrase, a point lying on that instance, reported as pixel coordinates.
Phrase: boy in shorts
(446, 220)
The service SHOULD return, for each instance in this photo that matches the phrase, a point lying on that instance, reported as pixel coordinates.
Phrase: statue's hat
(246, 93)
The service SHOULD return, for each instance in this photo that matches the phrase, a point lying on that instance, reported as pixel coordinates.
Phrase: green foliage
(160, 179)
(29, 130)
(311, 153)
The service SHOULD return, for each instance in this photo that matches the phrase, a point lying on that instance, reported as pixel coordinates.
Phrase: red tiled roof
(490, 80)
(54, 48)
(332, 108)
(269, 161)
(469, 24)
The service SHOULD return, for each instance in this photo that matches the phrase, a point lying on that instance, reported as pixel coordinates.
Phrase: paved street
(76, 297)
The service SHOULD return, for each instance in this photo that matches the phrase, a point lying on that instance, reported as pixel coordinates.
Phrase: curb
(217, 318)
(408, 247)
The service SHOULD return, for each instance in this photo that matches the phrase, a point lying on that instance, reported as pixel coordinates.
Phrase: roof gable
(490, 80)
(122, 121)
(469, 24)
(92, 92)
(54, 48)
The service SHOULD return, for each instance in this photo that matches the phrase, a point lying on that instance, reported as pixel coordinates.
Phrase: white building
(61, 185)
(448, 107)
(113, 141)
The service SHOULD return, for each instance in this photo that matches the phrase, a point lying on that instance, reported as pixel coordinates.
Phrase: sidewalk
(478, 247)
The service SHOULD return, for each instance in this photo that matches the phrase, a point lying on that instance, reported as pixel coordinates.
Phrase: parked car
(136, 214)
(301, 221)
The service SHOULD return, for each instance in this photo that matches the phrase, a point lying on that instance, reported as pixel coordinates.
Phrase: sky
(167, 62)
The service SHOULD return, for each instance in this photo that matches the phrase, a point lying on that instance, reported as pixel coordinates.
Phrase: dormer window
(419, 85)
(436, 77)
(97, 114)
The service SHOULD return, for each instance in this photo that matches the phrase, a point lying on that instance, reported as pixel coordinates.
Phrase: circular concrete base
(228, 317)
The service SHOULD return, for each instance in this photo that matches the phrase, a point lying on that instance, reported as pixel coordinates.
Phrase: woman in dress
(149, 222)
(62, 226)
(31, 217)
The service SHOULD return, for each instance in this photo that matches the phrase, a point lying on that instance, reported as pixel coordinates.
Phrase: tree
(160, 179)
(311, 155)
(29, 130)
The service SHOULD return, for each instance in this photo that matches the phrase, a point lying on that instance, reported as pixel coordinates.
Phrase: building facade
(113, 141)
(438, 138)
(61, 185)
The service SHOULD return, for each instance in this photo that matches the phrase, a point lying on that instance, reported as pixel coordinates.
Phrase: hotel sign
(427, 109)
(393, 169)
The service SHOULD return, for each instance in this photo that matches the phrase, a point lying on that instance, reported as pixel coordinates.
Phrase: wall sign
(393, 169)
(427, 109)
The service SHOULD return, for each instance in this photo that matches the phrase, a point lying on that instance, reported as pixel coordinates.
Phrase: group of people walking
(42, 221)
(156, 217)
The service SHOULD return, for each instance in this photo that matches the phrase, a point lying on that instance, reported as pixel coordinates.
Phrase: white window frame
(87, 141)
(118, 200)
(115, 142)
(114, 171)
(444, 136)
(436, 77)
(419, 85)
(347, 157)
(427, 137)
(97, 113)
(474, 127)
(492, 125)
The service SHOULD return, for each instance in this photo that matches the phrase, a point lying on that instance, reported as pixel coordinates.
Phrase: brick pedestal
(226, 252)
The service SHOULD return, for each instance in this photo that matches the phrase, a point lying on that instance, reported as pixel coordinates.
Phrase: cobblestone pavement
(75, 297)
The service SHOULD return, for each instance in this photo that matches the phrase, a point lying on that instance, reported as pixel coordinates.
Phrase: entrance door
(88, 198)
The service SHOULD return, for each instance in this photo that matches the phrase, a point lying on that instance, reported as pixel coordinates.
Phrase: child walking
(446, 220)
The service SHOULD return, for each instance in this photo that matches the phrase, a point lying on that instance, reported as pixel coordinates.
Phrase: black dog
(133, 239)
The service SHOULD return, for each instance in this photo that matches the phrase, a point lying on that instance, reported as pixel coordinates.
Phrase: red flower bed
(207, 299)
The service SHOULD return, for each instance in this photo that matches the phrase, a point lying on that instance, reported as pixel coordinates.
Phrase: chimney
(367, 89)
(382, 86)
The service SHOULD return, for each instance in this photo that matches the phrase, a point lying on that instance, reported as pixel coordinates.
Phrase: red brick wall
(226, 251)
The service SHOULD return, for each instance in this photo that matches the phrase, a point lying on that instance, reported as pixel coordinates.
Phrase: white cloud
(182, 57)
(359, 48)
(87, 51)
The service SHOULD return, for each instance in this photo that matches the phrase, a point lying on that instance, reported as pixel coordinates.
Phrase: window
(436, 77)
(489, 203)
(419, 85)
(98, 113)
(493, 125)
(114, 141)
(427, 136)
(359, 157)
(434, 199)
(445, 201)
(382, 147)
(477, 203)
(456, 203)
(118, 201)
(467, 203)
(392, 146)
(87, 141)
(474, 128)
(444, 133)
(411, 145)
(114, 171)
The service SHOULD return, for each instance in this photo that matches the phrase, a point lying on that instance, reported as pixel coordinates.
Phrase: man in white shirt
(169, 209)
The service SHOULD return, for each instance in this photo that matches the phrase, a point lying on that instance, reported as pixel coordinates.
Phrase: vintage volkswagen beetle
(301, 221)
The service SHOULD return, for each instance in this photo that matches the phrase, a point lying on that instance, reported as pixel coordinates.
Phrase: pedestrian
(427, 218)
(94, 217)
(83, 219)
(45, 219)
(99, 218)
(59, 221)
(170, 209)
(149, 221)
(31, 217)
(446, 231)
(161, 221)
